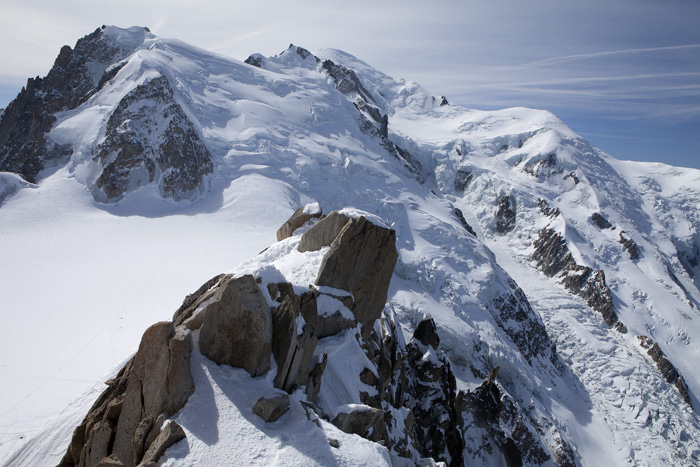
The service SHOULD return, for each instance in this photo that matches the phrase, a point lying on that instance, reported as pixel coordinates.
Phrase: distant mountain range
(486, 288)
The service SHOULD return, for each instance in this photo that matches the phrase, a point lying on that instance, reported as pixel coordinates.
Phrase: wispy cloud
(613, 53)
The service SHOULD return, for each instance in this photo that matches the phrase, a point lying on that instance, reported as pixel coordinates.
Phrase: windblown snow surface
(81, 280)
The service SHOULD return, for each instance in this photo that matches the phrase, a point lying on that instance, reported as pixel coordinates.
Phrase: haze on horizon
(625, 75)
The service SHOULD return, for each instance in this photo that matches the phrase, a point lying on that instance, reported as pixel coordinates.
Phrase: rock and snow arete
(540, 307)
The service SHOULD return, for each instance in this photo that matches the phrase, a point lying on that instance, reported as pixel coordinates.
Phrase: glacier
(85, 272)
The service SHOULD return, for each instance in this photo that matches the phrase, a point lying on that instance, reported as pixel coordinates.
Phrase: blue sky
(625, 74)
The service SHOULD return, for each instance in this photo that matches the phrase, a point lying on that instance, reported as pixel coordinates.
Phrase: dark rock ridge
(463, 221)
(372, 121)
(75, 76)
(543, 166)
(150, 139)
(515, 316)
(629, 245)
(688, 251)
(555, 260)
(601, 221)
(462, 180)
(669, 372)
(546, 209)
(505, 215)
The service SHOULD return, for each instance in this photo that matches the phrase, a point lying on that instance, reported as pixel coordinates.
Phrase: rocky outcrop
(293, 351)
(462, 180)
(150, 139)
(432, 396)
(271, 409)
(544, 166)
(223, 340)
(365, 421)
(600, 221)
(123, 422)
(669, 372)
(408, 402)
(546, 209)
(75, 76)
(555, 260)
(463, 221)
(361, 260)
(323, 233)
(169, 435)
(515, 316)
(300, 217)
(505, 214)
(630, 246)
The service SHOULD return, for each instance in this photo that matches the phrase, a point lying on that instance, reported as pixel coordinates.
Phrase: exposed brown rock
(271, 408)
(169, 435)
(367, 422)
(361, 260)
(323, 233)
(160, 383)
(223, 340)
(110, 461)
(98, 444)
(293, 352)
(153, 385)
(298, 219)
(194, 300)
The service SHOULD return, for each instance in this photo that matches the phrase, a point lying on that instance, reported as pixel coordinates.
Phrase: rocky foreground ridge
(408, 402)
(604, 252)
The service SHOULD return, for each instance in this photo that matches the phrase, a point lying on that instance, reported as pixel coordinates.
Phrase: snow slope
(282, 135)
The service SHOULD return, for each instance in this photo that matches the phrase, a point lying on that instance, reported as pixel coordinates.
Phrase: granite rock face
(149, 139)
(300, 217)
(505, 214)
(75, 76)
(555, 260)
(224, 340)
(155, 384)
(361, 260)
(667, 369)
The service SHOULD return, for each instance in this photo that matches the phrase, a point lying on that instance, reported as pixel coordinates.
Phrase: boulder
(169, 435)
(223, 338)
(361, 260)
(300, 217)
(365, 421)
(323, 232)
(271, 408)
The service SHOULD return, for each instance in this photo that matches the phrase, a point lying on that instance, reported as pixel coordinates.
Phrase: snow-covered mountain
(564, 284)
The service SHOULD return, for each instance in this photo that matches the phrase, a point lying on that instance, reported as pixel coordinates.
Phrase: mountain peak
(561, 337)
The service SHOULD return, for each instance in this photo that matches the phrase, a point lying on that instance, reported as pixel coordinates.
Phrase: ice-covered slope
(297, 128)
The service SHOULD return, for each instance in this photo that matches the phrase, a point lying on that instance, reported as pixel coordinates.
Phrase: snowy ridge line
(284, 132)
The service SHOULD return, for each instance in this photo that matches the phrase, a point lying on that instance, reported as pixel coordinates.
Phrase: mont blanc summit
(316, 263)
